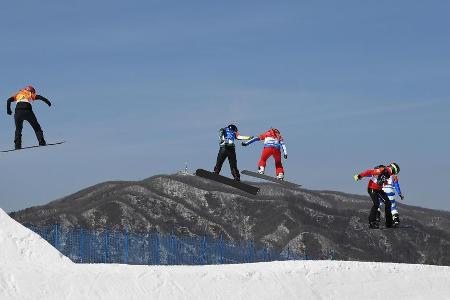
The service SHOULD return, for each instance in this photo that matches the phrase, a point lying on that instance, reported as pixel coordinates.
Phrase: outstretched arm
(8, 105)
(283, 146)
(397, 188)
(252, 140)
(367, 173)
(42, 98)
(243, 137)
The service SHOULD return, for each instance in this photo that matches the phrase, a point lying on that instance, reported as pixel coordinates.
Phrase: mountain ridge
(280, 217)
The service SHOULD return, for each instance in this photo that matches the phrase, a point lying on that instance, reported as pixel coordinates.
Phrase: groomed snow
(30, 268)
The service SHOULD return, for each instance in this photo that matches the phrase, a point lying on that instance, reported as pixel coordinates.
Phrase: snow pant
(376, 196)
(390, 192)
(276, 153)
(230, 153)
(22, 115)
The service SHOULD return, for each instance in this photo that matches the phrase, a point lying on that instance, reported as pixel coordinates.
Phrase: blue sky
(141, 87)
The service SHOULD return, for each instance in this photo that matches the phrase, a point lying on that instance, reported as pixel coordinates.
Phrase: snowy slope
(32, 269)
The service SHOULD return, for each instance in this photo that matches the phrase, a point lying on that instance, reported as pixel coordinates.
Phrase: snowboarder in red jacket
(273, 144)
(379, 177)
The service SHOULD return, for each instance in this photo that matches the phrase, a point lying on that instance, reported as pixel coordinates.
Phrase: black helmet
(395, 168)
(233, 127)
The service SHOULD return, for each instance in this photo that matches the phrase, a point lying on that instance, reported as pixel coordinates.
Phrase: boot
(236, 175)
(261, 170)
(216, 170)
(395, 220)
(374, 225)
(18, 141)
(40, 137)
(389, 219)
(378, 217)
(280, 176)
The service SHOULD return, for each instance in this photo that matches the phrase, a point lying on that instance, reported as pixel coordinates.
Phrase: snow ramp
(30, 268)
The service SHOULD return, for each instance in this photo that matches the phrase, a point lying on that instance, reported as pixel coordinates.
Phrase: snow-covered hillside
(303, 221)
(30, 268)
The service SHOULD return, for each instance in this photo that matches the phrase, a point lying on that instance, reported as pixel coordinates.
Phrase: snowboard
(228, 181)
(393, 227)
(36, 146)
(270, 178)
(396, 227)
(387, 228)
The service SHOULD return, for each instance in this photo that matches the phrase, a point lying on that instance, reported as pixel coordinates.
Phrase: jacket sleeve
(8, 104)
(397, 186)
(221, 136)
(243, 137)
(370, 172)
(42, 98)
(283, 145)
(251, 141)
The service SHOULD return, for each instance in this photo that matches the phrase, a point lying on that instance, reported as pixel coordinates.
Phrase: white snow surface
(30, 268)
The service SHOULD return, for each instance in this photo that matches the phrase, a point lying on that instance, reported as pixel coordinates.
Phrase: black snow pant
(376, 196)
(230, 153)
(22, 115)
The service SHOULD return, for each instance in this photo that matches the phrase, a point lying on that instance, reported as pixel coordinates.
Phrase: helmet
(233, 127)
(30, 89)
(395, 168)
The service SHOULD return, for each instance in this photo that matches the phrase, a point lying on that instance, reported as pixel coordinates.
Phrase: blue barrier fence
(105, 246)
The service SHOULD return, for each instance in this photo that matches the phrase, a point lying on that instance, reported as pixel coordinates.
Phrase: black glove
(244, 144)
(9, 112)
(402, 197)
(49, 104)
(285, 156)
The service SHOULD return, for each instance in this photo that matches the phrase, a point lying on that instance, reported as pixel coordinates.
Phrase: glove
(244, 144)
(49, 104)
(285, 156)
(9, 112)
(402, 197)
(357, 177)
